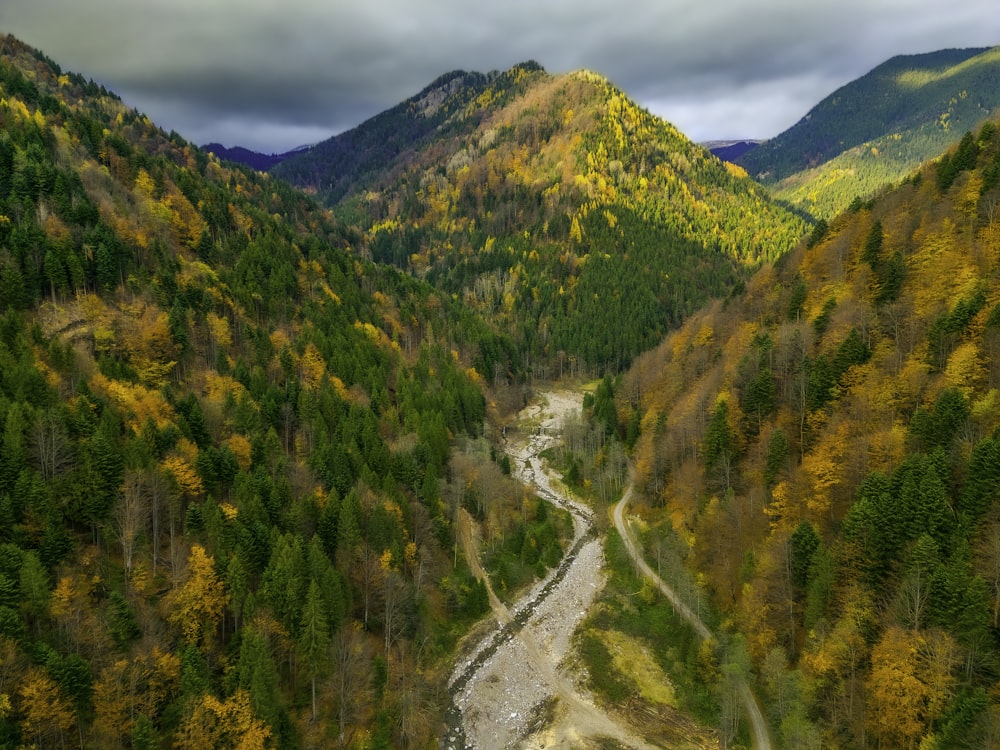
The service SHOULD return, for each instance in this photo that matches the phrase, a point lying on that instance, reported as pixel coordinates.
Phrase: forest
(242, 422)
(582, 224)
(876, 130)
(233, 451)
(823, 451)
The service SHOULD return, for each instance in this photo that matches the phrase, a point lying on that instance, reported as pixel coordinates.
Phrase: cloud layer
(272, 76)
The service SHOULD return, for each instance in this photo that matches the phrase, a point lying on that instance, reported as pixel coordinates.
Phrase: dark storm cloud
(273, 75)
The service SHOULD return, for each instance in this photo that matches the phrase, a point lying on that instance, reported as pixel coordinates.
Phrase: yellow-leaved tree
(141, 685)
(909, 686)
(223, 724)
(197, 604)
(48, 714)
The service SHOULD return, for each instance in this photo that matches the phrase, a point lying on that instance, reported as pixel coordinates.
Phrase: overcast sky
(275, 74)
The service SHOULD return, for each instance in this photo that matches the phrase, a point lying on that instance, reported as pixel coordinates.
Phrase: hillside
(824, 451)
(232, 450)
(875, 130)
(339, 165)
(583, 226)
(731, 150)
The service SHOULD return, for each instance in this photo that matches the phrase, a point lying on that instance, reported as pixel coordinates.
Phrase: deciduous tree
(196, 605)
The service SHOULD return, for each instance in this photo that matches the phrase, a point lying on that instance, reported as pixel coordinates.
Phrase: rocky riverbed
(513, 689)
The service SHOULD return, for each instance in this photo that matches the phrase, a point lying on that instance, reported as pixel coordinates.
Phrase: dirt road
(758, 725)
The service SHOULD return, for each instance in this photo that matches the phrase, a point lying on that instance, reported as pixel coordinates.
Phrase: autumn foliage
(226, 510)
(820, 443)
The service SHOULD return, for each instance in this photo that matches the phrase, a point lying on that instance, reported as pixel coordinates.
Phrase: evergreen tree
(872, 252)
(802, 546)
(314, 638)
(257, 673)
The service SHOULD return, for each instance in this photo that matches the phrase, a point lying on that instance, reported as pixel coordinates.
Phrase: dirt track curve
(758, 725)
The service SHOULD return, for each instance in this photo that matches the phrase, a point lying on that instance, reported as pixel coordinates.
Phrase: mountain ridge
(876, 129)
(525, 184)
(331, 167)
(254, 159)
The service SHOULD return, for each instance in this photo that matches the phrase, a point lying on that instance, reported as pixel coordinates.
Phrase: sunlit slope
(825, 446)
(580, 223)
(877, 129)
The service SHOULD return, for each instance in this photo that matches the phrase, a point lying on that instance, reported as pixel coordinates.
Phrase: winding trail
(758, 725)
(513, 689)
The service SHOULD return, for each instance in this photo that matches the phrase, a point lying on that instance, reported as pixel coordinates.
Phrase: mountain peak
(528, 66)
(541, 197)
(430, 99)
(450, 83)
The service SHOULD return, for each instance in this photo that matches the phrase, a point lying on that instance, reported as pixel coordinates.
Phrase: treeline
(824, 448)
(233, 453)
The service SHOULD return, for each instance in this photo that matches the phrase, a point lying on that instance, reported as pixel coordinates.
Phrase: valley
(515, 687)
(751, 707)
(306, 463)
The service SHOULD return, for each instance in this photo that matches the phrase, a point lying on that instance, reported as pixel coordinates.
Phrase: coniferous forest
(248, 419)
(233, 451)
(826, 445)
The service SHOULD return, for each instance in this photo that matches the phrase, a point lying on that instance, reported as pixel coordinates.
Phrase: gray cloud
(272, 75)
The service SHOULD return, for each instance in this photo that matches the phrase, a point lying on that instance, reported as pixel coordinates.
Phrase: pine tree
(314, 637)
(257, 674)
(802, 546)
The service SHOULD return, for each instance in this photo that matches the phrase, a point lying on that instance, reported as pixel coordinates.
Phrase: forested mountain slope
(582, 225)
(877, 129)
(240, 155)
(826, 447)
(229, 449)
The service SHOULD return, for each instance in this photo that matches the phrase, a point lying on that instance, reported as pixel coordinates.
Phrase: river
(513, 688)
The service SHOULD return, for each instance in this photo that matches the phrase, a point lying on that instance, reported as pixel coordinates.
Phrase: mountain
(824, 451)
(877, 129)
(332, 168)
(232, 450)
(253, 159)
(582, 225)
(730, 150)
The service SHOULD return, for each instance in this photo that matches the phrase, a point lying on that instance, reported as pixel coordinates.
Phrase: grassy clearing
(636, 651)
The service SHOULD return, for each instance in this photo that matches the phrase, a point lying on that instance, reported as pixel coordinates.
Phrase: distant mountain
(731, 150)
(824, 450)
(253, 159)
(581, 224)
(878, 128)
(335, 166)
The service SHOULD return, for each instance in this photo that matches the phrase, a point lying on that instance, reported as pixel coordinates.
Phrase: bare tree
(131, 514)
(395, 595)
(50, 446)
(159, 492)
(351, 678)
(367, 572)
